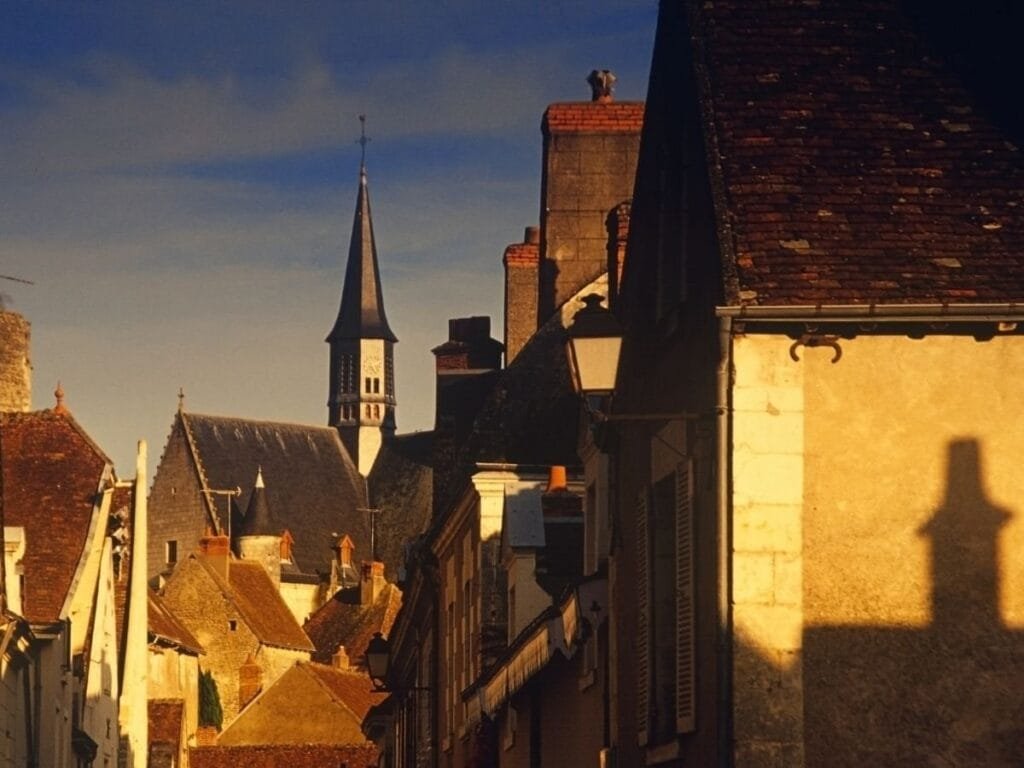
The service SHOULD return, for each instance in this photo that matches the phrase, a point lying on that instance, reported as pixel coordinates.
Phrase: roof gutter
(877, 313)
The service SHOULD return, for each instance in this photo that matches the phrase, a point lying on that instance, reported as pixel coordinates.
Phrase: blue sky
(178, 179)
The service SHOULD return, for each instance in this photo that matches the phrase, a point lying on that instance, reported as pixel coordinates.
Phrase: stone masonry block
(760, 399)
(769, 478)
(766, 432)
(753, 577)
(767, 528)
(789, 583)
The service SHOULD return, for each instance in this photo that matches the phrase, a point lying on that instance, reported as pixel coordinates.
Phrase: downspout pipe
(723, 535)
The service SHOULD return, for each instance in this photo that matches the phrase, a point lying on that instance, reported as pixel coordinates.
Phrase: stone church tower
(361, 400)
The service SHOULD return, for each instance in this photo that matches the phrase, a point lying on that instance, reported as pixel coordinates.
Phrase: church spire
(361, 397)
(361, 315)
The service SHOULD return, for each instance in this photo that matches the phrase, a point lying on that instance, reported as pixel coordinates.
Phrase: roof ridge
(323, 684)
(200, 469)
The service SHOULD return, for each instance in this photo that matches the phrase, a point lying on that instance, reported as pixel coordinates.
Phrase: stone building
(234, 610)
(816, 542)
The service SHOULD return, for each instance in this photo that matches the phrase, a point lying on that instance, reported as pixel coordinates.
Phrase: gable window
(171, 552)
(232, 625)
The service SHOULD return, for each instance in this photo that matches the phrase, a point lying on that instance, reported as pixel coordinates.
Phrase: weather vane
(363, 140)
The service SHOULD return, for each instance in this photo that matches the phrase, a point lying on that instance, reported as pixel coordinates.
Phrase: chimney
(340, 658)
(590, 153)
(250, 681)
(371, 582)
(15, 367)
(522, 273)
(216, 549)
(467, 367)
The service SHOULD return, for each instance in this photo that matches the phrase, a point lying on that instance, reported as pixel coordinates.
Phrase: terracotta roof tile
(284, 756)
(853, 168)
(165, 720)
(261, 605)
(338, 622)
(52, 474)
(349, 687)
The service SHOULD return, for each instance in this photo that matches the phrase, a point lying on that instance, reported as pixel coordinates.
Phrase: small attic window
(171, 552)
(232, 625)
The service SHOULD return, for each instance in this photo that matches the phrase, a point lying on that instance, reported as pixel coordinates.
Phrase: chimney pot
(602, 84)
(532, 236)
(556, 479)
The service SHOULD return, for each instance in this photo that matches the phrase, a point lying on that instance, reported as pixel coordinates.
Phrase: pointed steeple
(258, 520)
(361, 315)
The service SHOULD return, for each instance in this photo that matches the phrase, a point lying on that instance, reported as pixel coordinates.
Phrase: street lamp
(595, 340)
(378, 664)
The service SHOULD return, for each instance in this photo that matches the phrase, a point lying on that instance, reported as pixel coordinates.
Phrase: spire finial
(58, 393)
(259, 476)
(363, 141)
(181, 399)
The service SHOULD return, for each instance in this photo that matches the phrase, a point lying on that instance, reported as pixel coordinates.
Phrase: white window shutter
(685, 693)
(643, 617)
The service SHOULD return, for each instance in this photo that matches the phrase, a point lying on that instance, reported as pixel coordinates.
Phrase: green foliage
(210, 710)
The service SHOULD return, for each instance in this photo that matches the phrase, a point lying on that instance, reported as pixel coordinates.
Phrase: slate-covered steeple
(361, 315)
(361, 398)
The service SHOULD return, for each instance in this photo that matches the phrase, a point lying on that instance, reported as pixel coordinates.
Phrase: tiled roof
(260, 604)
(164, 626)
(165, 720)
(401, 487)
(52, 473)
(311, 484)
(338, 622)
(285, 756)
(532, 414)
(594, 117)
(850, 166)
(349, 687)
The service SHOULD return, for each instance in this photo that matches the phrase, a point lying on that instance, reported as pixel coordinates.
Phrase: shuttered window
(685, 720)
(643, 694)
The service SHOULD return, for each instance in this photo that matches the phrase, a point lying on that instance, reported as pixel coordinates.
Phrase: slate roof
(285, 756)
(532, 414)
(165, 627)
(849, 167)
(259, 603)
(312, 487)
(52, 475)
(258, 520)
(401, 487)
(361, 315)
(343, 621)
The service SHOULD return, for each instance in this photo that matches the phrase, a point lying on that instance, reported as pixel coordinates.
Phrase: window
(665, 631)
(376, 386)
(171, 552)
(368, 384)
(232, 625)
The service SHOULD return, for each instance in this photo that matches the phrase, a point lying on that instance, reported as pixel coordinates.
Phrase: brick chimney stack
(522, 273)
(216, 549)
(250, 681)
(340, 659)
(371, 582)
(590, 153)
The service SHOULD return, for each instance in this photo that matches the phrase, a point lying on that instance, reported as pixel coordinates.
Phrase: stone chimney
(250, 681)
(216, 549)
(522, 273)
(589, 163)
(340, 659)
(371, 582)
(15, 367)
(467, 366)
